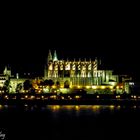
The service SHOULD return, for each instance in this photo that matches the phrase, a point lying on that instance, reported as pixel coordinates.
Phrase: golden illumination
(111, 106)
(118, 96)
(111, 87)
(32, 97)
(78, 86)
(6, 97)
(77, 97)
(96, 107)
(118, 107)
(53, 86)
(94, 87)
(56, 107)
(77, 107)
(26, 96)
(102, 87)
(135, 96)
(1, 106)
(62, 98)
(87, 87)
(98, 96)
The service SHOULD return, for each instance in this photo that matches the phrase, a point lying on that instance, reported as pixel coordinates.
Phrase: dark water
(70, 122)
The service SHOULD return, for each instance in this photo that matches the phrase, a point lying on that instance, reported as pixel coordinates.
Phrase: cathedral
(77, 73)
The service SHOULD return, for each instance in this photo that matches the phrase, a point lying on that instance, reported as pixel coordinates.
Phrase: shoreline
(127, 102)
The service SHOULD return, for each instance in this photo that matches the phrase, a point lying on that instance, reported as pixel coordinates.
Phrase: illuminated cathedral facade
(77, 73)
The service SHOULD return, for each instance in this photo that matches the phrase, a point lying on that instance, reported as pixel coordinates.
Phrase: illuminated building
(79, 73)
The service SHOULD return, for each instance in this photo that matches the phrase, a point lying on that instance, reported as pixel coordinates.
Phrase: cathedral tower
(55, 56)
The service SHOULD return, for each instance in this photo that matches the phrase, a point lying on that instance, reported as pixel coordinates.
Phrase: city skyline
(31, 63)
(112, 38)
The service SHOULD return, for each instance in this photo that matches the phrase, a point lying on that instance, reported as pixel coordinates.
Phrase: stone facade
(77, 73)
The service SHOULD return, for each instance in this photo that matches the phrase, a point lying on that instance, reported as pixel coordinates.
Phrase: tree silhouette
(66, 84)
(27, 85)
(50, 84)
(58, 84)
(19, 87)
(6, 86)
(46, 82)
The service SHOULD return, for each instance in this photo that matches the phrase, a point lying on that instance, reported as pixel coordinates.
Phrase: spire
(55, 56)
(49, 56)
(5, 70)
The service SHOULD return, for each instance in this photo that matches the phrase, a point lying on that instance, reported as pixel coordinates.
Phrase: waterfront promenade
(75, 99)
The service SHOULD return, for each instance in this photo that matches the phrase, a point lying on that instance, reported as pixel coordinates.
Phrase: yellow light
(98, 96)
(6, 97)
(55, 107)
(118, 107)
(111, 106)
(87, 87)
(96, 107)
(94, 87)
(135, 97)
(111, 87)
(32, 97)
(53, 86)
(77, 107)
(102, 87)
(77, 97)
(62, 98)
(26, 96)
(78, 86)
(117, 87)
(42, 97)
(118, 96)
(1, 106)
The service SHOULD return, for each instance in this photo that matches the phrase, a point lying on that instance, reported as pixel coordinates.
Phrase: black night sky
(112, 36)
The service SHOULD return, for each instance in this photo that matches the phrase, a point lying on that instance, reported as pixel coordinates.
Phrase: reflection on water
(64, 121)
(95, 109)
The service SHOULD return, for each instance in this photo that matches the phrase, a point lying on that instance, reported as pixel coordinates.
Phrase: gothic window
(61, 66)
(67, 66)
(50, 66)
(73, 67)
(79, 66)
(89, 66)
